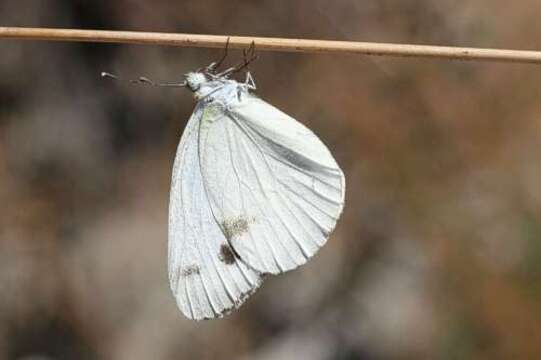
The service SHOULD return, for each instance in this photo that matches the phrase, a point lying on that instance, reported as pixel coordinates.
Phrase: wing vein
(303, 171)
(333, 217)
(303, 210)
(272, 207)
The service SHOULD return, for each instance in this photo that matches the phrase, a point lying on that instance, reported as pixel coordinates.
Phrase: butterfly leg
(226, 73)
(213, 67)
(249, 56)
(249, 82)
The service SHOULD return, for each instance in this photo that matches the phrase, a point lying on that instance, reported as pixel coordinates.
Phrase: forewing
(206, 277)
(274, 187)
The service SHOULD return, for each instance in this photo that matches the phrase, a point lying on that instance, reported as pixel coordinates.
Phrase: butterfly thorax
(219, 89)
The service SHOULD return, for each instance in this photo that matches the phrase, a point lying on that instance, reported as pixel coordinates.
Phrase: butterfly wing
(274, 188)
(206, 277)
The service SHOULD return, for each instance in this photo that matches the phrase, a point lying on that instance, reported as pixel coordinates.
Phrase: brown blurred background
(438, 252)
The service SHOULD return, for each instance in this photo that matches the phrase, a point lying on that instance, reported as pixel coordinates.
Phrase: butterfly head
(194, 80)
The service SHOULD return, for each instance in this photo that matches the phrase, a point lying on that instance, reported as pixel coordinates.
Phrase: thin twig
(271, 44)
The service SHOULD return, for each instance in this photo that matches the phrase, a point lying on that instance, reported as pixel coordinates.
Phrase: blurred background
(437, 254)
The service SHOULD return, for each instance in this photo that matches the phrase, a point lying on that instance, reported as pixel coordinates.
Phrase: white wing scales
(273, 186)
(206, 277)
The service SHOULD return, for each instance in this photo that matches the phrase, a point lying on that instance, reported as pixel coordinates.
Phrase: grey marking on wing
(190, 270)
(235, 227)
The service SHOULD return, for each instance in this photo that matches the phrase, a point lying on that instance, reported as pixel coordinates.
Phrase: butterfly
(253, 192)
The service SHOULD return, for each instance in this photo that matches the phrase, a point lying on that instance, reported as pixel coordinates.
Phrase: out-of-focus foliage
(438, 252)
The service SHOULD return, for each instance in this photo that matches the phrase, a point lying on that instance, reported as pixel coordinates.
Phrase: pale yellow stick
(272, 44)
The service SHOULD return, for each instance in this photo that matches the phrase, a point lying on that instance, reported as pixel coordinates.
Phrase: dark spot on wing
(190, 270)
(236, 227)
(227, 256)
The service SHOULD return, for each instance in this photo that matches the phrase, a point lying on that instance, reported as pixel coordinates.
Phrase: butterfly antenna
(143, 80)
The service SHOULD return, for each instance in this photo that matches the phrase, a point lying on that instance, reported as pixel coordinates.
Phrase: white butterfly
(253, 192)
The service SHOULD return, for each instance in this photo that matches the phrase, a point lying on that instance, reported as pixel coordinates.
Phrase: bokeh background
(437, 254)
